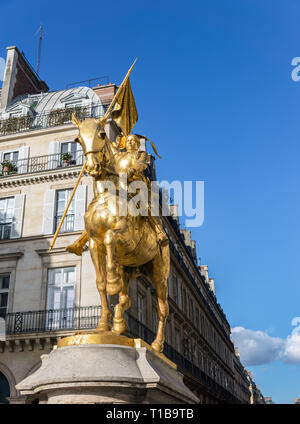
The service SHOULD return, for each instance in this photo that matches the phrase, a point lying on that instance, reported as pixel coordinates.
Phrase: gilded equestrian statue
(121, 247)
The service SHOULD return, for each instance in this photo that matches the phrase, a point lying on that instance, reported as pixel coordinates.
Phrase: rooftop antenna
(40, 30)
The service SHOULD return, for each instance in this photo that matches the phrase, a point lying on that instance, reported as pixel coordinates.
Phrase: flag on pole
(124, 112)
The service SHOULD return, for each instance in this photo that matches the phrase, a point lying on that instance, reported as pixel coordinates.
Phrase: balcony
(45, 120)
(84, 318)
(41, 163)
(52, 320)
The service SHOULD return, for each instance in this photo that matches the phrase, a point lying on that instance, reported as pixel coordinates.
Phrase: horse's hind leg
(98, 259)
(160, 272)
(124, 303)
(114, 281)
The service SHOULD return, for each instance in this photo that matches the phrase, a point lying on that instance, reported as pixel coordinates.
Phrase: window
(197, 318)
(60, 299)
(154, 320)
(55, 202)
(200, 359)
(168, 332)
(141, 308)
(4, 389)
(6, 217)
(175, 290)
(74, 149)
(187, 349)
(11, 156)
(4, 289)
(177, 339)
(191, 310)
(73, 104)
(184, 300)
(62, 198)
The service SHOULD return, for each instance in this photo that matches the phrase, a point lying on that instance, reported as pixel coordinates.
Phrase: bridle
(101, 151)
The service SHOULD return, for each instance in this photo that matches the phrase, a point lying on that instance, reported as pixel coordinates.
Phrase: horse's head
(92, 139)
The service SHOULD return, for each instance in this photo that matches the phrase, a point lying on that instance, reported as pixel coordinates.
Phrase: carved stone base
(105, 373)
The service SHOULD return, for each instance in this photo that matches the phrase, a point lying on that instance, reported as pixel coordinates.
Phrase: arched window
(4, 389)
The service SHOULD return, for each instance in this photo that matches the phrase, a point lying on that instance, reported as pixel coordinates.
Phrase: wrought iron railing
(50, 119)
(52, 320)
(90, 82)
(68, 223)
(47, 321)
(42, 163)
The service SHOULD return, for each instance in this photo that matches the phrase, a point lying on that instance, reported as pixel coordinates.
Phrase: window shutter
(23, 159)
(54, 154)
(16, 229)
(48, 213)
(80, 203)
(79, 155)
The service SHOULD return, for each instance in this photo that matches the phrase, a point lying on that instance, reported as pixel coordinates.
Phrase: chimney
(236, 352)
(174, 212)
(204, 272)
(211, 283)
(19, 78)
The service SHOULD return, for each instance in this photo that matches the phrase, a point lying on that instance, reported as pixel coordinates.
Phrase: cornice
(9, 256)
(38, 237)
(55, 251)
(37, 132)
(29, 179)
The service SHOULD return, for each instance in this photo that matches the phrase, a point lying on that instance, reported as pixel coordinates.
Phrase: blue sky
(214, 91)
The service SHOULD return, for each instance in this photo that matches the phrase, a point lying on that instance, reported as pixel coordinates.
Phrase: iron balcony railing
(68, 223)
(87, 317)
(52, 320)
(41, 163)
(50, 119)
(103, 80)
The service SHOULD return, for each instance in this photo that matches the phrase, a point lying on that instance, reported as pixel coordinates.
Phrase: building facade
(47, 295)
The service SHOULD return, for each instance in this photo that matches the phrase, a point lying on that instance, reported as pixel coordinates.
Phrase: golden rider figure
(132, 162)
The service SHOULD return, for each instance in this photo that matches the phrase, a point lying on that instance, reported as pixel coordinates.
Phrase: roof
(46, 102)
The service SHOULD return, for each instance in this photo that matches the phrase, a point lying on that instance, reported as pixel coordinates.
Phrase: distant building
(45, 296)
(269, 401)
(297, 401)
(256, 395)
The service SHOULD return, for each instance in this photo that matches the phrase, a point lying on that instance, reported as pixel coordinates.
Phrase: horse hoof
(119, 327)
(157, 347)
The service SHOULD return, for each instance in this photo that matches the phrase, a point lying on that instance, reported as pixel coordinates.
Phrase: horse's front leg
(124, 303)
(98, 259)
(114, 281)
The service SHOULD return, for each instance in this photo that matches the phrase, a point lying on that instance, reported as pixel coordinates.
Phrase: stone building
(256, 395)
(45, 296)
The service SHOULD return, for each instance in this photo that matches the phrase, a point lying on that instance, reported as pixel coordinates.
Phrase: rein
(111, 157)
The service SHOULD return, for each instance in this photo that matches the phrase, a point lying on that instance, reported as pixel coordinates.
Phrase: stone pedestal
(106, 373)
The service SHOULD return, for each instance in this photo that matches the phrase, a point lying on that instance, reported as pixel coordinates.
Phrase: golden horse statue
(121, 247)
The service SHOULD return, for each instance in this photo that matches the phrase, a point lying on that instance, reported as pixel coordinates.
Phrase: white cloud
(291, 352)
(2, 68)
(257, 347)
